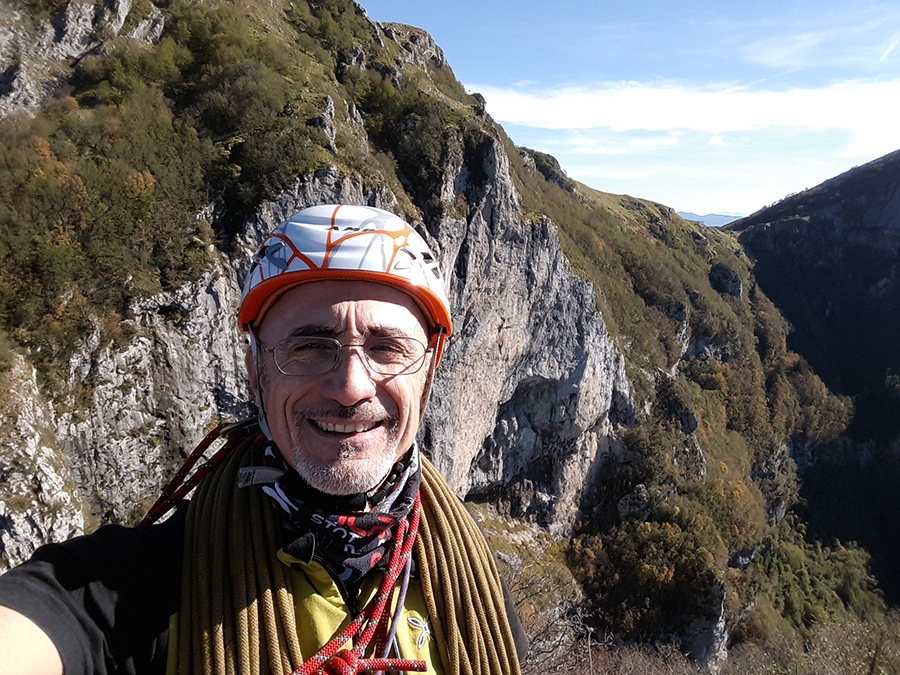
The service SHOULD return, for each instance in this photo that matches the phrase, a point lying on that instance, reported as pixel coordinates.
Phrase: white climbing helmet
(347, 242)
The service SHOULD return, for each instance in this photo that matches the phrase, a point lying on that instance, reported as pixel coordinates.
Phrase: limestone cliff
(103, 452)
(36, 52)
(530, 380)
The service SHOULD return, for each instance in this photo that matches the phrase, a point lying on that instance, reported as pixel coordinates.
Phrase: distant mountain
(710, 219)
(830, 259)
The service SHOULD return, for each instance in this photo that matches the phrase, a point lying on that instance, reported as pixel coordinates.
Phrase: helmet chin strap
(432, 367)
(260, 402)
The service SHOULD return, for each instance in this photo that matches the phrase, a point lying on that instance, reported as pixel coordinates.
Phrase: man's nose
(351, 381)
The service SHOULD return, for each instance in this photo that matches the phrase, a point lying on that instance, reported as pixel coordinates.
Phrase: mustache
(365, 411)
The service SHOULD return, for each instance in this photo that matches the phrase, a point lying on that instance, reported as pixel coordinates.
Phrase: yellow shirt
(322, 613)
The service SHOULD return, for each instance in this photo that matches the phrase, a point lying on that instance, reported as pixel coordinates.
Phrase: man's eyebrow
(314, 330)
(321, 330)
(386, 331)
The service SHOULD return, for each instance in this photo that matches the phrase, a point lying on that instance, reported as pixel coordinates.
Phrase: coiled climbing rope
(237, 612)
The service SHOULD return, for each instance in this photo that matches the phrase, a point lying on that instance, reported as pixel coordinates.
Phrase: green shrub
(810, 583)
(647, 579)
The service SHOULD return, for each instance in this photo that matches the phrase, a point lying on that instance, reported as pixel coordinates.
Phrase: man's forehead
(324, 307)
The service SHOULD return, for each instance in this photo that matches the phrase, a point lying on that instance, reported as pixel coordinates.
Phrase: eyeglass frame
(365, 358)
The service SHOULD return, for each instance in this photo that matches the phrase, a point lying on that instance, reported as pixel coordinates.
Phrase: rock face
(153, 401)
(527, 338)
(40, 501)
(525, 402)
(150, 403)
(417, 48)
(31, 69)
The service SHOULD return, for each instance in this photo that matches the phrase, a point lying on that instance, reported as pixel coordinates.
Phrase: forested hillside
(152, 163)
(829, 258)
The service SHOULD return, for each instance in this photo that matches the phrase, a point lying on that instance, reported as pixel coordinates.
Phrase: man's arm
(25, 649)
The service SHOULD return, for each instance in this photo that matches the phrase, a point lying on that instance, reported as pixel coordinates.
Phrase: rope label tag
(258, 475)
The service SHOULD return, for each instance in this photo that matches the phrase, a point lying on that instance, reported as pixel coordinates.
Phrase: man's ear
(252, 375)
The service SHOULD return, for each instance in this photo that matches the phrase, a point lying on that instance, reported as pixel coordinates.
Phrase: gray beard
(346, 477)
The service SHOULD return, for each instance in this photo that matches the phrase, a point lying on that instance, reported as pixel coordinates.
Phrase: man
(323, 541)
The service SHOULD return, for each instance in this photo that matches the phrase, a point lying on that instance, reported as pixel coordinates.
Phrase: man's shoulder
(105, 598)
(123, 550)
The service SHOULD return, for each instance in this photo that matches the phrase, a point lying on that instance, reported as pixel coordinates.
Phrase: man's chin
(343, 478)
(349, 467)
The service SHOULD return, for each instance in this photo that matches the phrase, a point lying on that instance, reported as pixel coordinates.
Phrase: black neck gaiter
(338, 531)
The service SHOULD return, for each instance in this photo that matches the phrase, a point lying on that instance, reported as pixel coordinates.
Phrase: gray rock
(39, 500)
(325, 122)
(35, 56)
(742, 559)
(154, 400)
(636, 504)
(688, 421)
(705, 640)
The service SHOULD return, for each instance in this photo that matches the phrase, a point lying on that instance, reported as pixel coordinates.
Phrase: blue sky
(709, 107)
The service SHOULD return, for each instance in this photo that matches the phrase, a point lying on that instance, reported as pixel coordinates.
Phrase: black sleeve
(104, 599)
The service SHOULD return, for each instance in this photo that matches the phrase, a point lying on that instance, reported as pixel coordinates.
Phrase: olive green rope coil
(461, 586)
(237, 610)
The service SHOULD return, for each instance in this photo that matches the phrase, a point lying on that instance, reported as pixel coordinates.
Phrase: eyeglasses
(306, 356)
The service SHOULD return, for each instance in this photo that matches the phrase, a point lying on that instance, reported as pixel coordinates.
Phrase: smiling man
(323, 541)
(344, 428)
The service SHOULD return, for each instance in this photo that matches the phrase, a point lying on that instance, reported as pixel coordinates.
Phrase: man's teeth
(344, 428)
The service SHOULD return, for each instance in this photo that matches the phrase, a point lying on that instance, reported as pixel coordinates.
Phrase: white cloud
(703, 149)
(584, 144)
(796, 51)
(835, 38)
(862, 108)
(887, 52)
(653, 143)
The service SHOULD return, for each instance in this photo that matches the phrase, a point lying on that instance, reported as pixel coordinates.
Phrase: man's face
(341, 431)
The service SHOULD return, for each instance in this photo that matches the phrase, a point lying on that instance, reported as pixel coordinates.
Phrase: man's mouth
(357, 428)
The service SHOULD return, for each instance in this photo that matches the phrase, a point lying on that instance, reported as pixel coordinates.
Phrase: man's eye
(389, 347)
(307, 347)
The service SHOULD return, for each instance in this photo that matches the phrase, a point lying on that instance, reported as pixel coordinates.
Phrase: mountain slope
(830, 259)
